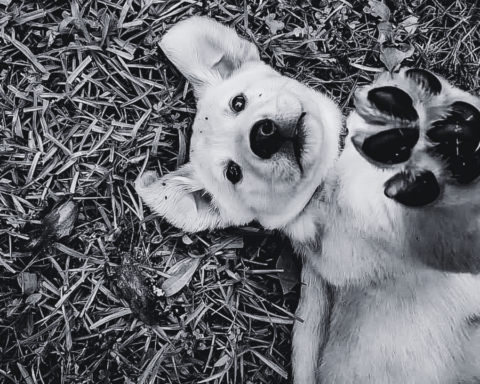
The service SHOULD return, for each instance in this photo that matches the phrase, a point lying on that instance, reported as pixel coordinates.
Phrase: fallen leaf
(291, 269)
(33, 298)
(28, 282)
(410, 24)
(353, 24)
(186, 239)
(180, 275)
(298, 31)
(273, 24)
(128, 282)
(58, 223)
(393, 57)
(312, 46)
(222, 361)
(377, 8)
(385, 31)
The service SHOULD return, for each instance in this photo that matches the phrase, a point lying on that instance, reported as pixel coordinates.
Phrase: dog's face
(408, 179)
(261, 144)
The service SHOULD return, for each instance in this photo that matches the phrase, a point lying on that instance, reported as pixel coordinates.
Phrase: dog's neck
(305, 230)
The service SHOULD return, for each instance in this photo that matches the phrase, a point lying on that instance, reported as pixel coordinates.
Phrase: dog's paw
(422, 126)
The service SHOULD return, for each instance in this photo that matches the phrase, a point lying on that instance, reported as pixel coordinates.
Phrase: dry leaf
(28, 282)
(186, 239)
(33, 298)
(180, 273)
(56, 224)
(128, 282)
(393, 57)
(222, 361)
(274, 25)
(385, 31)
(377, 8)
(291, 269)
(410, 24)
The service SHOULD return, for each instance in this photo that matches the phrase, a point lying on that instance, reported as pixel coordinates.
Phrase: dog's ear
(180, 198)
(206, 51)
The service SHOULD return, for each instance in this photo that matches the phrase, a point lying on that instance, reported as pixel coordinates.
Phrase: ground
(95, 289)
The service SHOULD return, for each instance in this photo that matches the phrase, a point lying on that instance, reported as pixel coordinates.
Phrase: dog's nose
(413, 189)
(265, 139)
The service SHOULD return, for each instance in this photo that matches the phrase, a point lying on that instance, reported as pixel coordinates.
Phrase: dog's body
(387, 232)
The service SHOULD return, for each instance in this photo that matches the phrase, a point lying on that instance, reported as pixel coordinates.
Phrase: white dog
(387, 233)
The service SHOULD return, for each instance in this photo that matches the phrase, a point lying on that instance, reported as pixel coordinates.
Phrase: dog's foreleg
(310, 336)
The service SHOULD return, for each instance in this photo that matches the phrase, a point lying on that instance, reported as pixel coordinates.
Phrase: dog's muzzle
(413, 188)
(267, 138)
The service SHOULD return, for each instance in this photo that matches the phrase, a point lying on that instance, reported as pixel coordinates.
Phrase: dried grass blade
(26, 51)
(33, 166)
(271, 364)
(103, 139)
(91, 298)
(154, 365)
(139, 123)
(25, 374)
(125, 55)
(4, 263)
(27, 16)
(119, 313)
(125, 9)
(79, 69)
(267, 319)
(71, 290)
(58, 144)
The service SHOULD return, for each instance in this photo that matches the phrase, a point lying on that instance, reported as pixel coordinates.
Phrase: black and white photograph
(239, 192)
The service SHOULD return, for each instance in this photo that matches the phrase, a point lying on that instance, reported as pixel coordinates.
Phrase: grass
(95, 289)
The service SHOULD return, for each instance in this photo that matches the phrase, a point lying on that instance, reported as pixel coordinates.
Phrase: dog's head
(261, 144)
(409, 174)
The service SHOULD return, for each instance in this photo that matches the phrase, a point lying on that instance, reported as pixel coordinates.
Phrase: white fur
(399, 315)
(378, 303)
(221, 65)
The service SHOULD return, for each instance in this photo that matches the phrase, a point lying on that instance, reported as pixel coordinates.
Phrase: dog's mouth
(298, 140)
(269, 140)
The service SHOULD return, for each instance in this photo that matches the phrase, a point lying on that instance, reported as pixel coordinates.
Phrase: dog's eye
(238, 103)
(234, 172)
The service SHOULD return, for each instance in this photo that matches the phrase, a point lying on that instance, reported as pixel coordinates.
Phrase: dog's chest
(394, 337)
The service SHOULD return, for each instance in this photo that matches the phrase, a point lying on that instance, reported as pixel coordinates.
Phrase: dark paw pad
(465, 169)
(413, 189)
(394, 102)
(427, 80)
(458, 137)
(389, 147)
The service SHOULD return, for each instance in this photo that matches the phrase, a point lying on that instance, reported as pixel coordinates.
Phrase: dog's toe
(425, 79)
(456, 139)
(394, 102)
